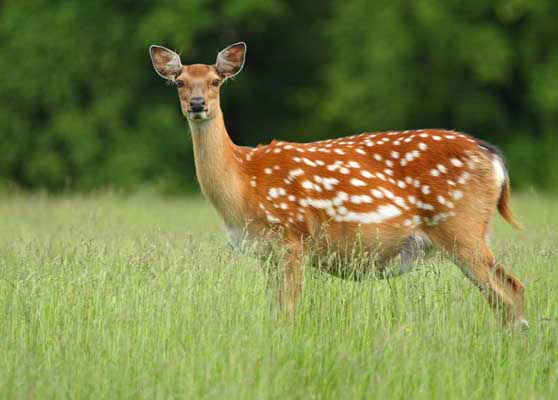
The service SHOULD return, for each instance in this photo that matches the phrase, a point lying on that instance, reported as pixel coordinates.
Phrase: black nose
(197, 104)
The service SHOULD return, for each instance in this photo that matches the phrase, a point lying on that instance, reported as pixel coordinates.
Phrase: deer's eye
(215, 82)
(180, 84)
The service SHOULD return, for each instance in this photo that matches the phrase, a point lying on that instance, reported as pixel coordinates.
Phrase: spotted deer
(391, 192)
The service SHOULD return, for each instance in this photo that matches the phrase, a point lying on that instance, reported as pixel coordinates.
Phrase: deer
(395, 193)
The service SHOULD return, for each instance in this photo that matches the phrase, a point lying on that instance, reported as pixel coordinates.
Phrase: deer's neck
(218, 168)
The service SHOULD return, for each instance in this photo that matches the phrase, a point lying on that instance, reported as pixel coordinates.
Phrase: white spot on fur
(401, 203)
(361, 151)
(464, 178)
(307, 185)
(273, 219)
(308, 162)
(359, 199)
(353, 164)
(387, 193)
(383, 213)
(340, 198)
(296, 172)
(457, 194)
(456, 162)
(357, 182)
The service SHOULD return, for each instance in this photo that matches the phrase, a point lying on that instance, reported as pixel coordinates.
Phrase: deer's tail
(504, 207)
(503, 180)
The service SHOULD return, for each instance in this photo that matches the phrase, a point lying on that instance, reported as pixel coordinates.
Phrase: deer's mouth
(198, 115)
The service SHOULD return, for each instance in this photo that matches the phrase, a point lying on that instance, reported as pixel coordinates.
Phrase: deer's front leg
(292, 269)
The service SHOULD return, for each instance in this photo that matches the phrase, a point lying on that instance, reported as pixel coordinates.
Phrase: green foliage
(81, 108)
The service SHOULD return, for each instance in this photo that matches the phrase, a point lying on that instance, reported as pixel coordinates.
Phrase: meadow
(111, 296)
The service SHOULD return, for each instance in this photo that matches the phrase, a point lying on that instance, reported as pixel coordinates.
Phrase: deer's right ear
(166, 62)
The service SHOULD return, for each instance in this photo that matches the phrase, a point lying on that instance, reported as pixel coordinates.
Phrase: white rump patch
(500, 171)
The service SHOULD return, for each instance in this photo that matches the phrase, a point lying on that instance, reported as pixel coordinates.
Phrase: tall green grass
(105, 296)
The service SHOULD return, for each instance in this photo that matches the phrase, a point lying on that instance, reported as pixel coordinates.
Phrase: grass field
(106, 296)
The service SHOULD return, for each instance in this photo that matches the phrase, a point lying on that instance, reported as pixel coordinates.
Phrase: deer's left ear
(231, 60)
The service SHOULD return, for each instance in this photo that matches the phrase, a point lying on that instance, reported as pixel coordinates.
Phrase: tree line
(81, 107)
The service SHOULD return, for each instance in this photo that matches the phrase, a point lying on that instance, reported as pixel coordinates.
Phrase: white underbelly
(241, 241)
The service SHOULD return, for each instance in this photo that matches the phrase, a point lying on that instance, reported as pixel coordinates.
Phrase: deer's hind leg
(469, 250)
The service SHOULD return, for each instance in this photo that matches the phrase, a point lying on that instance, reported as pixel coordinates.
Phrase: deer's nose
(197, 104)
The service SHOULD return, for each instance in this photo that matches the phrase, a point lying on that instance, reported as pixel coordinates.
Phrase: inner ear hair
(165, 61)
(230, 60)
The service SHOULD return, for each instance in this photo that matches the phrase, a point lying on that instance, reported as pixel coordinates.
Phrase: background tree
(81, 108)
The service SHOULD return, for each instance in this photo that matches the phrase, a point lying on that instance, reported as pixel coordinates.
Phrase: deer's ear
(231, 60)
(166, 62)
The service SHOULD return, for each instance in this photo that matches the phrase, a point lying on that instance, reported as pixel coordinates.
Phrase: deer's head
(198, 84)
